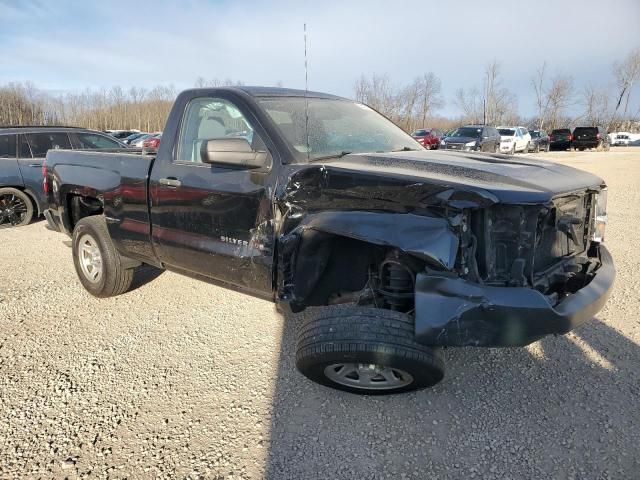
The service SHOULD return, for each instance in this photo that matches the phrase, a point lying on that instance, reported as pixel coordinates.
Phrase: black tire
(366, 338)
(536, 149)
(114, 278)
(16, 208)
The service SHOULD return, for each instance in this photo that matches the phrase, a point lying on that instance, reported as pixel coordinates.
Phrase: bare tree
(408, 106)
(596, 106)
(541, 99)
(470, 102)
(626, 74)
(495, 105)
(430, 92)
(558, 97)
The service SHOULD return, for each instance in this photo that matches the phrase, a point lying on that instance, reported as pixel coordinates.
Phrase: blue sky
(70, 45)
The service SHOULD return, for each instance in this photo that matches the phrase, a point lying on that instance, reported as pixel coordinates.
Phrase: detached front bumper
(451, 311)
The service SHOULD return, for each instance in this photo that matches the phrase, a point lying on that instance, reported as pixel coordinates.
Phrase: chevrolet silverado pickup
(317, 202)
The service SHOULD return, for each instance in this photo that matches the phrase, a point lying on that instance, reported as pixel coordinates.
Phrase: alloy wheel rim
(368, 376)
(13, 210)
(90, 258)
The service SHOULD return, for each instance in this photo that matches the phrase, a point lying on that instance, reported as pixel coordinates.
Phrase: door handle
(170, 182)
(37, 165)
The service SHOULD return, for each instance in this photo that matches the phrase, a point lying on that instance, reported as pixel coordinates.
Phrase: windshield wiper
(327, 157)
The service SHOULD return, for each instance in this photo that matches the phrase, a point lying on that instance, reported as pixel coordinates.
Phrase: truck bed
(120, 180)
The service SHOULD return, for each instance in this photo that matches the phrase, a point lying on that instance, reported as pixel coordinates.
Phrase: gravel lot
(181, 379)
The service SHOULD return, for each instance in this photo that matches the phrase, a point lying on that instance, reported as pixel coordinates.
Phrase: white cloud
(76, 44)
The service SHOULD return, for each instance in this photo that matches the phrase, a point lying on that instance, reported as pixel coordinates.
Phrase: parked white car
(514, 139)
(622, 139)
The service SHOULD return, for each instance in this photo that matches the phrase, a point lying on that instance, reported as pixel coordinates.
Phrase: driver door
(213, 220)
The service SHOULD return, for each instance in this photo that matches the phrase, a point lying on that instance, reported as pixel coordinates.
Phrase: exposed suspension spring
(397, 285)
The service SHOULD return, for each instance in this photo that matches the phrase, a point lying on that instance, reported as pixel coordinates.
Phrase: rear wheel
(16, 208)
(98, 265)
(365, 350)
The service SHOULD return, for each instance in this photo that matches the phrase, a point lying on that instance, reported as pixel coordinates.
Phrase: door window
(42, 142)
(93, 141)
(25, 150)
(7, 146)
(210, 118)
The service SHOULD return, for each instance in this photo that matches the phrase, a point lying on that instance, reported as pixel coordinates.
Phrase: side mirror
(232, 152)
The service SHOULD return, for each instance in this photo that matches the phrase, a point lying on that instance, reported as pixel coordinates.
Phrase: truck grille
(537, 237)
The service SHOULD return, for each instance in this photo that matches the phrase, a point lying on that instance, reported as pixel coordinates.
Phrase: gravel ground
(181, 379)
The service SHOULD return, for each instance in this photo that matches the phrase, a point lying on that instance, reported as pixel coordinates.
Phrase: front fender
(303, 253)
(429, 238)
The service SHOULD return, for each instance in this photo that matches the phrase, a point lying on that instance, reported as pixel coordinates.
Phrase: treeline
(557, 100)
(115, 108)
(411, 106)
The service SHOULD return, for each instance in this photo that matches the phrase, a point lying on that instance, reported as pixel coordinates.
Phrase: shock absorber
(397, 283)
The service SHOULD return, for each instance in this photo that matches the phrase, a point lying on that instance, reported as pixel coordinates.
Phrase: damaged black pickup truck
(311, 200)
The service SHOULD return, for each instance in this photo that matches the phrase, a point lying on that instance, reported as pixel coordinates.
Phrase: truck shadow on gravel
(564, 407)
(144, 274)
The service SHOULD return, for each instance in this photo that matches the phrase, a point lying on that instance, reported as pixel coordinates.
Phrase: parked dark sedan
(480, 138)
(428, 137)
(560, 139)
(22, 152)
(539, 141)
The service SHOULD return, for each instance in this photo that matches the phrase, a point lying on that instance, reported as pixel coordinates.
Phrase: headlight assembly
(600, 216)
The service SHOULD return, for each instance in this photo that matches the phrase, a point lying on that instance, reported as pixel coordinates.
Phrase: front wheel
(98, 265)
(16, 208)
(367, 351)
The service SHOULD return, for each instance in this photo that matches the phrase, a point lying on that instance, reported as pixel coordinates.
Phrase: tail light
(45, 180)
(570, 137)
(598, 137)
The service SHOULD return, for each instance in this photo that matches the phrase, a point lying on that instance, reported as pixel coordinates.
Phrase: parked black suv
(22, 152)
(560, 139)
(479, 138)
(590, 137)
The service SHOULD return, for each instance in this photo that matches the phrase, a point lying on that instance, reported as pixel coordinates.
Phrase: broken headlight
(600, 217)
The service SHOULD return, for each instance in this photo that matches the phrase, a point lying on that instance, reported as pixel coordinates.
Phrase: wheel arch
(330, 252)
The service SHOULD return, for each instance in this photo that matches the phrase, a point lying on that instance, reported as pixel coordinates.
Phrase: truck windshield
(334, 127)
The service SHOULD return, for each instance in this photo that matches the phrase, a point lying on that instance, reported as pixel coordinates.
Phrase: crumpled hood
(507, 179)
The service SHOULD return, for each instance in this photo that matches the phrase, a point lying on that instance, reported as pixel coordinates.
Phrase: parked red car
(428, 137)
(152, 142)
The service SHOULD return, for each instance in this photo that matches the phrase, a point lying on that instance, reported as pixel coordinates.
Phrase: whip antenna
(306, 90)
